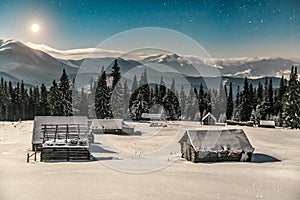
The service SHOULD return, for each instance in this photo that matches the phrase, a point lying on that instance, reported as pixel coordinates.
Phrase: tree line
(118, 100)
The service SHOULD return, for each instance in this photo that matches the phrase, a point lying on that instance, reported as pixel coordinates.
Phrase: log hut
(266, 124)
(111, 126)
(62, 138)
(216, 145)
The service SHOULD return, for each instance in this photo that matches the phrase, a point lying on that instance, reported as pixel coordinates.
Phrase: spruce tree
(115, 74)
(229, 109)
(271, 100)
(1, 99)
(182, 100)
(191, 105)
(140, 99)
(53, 100)
(291, 112)
(102, 97)
(65, 94)
(126, 97)
(36, 99)
(162, 91)
(246, 102)
(117, 101)
(83, 105)
(279, 99)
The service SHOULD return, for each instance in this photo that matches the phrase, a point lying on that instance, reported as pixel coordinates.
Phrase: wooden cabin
(267, 124)
(111, 126)
(61, 138)
(152, 117)
(216, 145)
(37, 132)
(209, 119)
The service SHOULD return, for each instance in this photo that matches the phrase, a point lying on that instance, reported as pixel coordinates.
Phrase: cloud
(76, 54)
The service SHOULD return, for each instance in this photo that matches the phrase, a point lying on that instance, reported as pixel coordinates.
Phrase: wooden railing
(64, 131)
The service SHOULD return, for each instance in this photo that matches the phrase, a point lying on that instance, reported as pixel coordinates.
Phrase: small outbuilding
(38, 129)
(152, 117)
(266, 124)
(216, 145)
(209, 119)
(111, 126)
(61, 137)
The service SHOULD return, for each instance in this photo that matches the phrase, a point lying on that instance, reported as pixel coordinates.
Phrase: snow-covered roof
(151, 116)
(58, 120)
(215, 140)
(107, 124)
(209, 114)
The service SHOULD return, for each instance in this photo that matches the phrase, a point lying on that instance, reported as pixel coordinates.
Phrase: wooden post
(27, 157)
(44, 134)
(78, 131)
(67, 133)
(56, 127)
(34, 153)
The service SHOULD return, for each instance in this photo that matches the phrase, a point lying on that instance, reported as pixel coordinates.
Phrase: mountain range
(36, 64)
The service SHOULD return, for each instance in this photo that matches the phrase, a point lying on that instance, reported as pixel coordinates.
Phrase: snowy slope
(33, 66)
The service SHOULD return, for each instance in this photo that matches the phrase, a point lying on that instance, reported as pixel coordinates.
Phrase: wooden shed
(209, 119)
(111, 126)
(152, 116)
(37, 132)
(216, 145)
(266, 124)
(61, 138)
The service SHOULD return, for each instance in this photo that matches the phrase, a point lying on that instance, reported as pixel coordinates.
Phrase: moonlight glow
(35, 28)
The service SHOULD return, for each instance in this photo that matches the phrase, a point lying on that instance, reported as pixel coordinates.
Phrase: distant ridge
(19, 61)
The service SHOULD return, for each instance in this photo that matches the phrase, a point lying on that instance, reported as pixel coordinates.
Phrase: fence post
(27, 157)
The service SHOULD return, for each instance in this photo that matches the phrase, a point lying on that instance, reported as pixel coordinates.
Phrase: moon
(35, 28)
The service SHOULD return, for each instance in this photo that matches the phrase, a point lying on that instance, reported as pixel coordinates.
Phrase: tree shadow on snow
(263, 158)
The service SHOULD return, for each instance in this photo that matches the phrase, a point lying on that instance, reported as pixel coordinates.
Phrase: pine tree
(279, 99)
(191, 105)
(126, 97)
(115, 74)
(102, 97)
(36, 100)
(75, 99)
(246, 102)
(1, 99)
(53, 99)
(221, 102)
(182, 99)
(237, 99)
(83, 105)
(291, 112)
(162, 91)
(43, 101)
(65, 94)
(24, 99)
(229, 109)
(155, 107)
(141, 98)
(117, 101)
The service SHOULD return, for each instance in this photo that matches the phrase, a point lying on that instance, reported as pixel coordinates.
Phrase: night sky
(224, 28)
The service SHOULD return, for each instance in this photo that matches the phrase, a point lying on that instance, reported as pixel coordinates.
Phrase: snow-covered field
(264, 178)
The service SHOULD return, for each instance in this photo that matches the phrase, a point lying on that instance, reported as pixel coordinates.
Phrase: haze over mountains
(36, 64)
